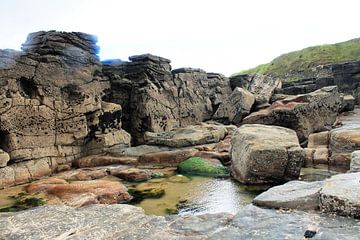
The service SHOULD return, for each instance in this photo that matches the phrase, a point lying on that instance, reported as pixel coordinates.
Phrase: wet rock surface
(129, 222)
(265, 154)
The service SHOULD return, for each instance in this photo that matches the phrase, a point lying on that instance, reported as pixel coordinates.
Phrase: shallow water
(200, 195)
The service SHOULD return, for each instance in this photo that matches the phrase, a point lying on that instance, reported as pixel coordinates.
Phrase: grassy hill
(296, 65)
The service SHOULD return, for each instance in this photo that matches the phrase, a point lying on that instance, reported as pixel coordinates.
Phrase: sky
(224, 36)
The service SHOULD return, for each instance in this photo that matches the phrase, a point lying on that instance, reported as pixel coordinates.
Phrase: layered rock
(345, 75)
(265, 154)
(305, 114)
(50, 105)
(156, 99)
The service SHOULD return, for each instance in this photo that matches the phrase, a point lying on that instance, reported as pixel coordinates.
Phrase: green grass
(198, 166)
(297, 65)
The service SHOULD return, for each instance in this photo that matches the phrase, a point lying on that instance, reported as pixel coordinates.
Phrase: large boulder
(305, 113)
(265, 154)
(235, 107)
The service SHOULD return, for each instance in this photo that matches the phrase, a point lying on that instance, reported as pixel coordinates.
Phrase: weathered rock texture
(355, 161)
(261, 86)
(120, 221)
(345, 75)
(156, 99)
(305, 113)
(265, 154)
(51, 110)
(235, 107)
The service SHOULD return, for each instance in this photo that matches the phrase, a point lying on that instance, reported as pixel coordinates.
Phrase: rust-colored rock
(167, 157)
(101, 160)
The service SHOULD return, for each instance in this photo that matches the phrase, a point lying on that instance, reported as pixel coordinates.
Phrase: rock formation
(265, 154)
(305, 113)
(156, 99)
(50, 105)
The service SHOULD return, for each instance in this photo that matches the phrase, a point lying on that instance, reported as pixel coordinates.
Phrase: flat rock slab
(293, 195)
(120, 221)
(341, 194)
(188, 136)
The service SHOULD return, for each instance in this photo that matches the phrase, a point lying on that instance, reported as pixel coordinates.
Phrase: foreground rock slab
(293, 195)
(128, 222)
(265, 154)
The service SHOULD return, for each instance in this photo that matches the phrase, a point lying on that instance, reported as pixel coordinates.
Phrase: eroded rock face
(355, 161)
(50, 104)
(156, 99)
(345, 75)
(306, 113)
(265, 154)
(261, 86)
(235, 107)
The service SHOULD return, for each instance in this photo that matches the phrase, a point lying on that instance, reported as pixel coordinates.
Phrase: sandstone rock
(51, 107)
(341, 194)
(4, 158)
(320, 139)
(304, 113)
(355, 161)
(81, 193)
(167, 157)
(132, 174)
(265, 154)
(155, 99)
(188, 136)
(293, 195)
(235, 107)
(101, 160)
(261, 86)
(347, 103)
(321, 156)
(82, 174)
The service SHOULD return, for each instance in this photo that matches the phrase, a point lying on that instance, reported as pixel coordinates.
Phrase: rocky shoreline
(70, 125)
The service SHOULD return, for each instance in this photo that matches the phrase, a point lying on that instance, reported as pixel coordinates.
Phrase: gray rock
(265, 154)
(188, 136)
(355, 161)
(347, 103)
(341, 194)
(120, 221)
(293, 195)
(235, 107)
(262, 224)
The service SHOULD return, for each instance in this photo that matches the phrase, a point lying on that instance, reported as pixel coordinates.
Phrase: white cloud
(219, 36)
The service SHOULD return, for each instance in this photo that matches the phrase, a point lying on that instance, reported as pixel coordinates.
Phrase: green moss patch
(201, 167)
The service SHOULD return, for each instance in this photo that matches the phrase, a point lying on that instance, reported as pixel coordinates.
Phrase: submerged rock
(265, 154)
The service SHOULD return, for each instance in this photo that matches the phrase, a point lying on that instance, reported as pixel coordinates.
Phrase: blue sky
(218, 36)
